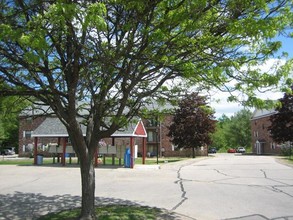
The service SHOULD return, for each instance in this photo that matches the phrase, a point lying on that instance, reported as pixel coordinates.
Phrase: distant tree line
(10, 107)
(234, 131)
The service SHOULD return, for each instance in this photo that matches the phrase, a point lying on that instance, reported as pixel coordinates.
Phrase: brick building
(261, 141)
(27, 124)
(158, 143)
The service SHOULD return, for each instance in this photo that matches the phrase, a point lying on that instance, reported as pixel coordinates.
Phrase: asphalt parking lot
(227, 186)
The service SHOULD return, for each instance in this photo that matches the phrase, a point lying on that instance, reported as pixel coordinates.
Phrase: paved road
(227, 186)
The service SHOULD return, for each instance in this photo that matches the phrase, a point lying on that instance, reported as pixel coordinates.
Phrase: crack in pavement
(183, 194)
(180, 181)
(275, 188)
(219, 172)
(277, 181)
(264, 173)
(225, 174)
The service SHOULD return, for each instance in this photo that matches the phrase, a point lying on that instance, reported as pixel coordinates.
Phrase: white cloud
(229, 109)
(222, 106)
(218, 99)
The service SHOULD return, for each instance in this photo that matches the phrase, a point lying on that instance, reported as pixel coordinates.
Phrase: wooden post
(63, 159)
(113, 155)
(113, 159)
(104, 159)
(35, 151)
(131, 152)
(58, 144)
(143, 150)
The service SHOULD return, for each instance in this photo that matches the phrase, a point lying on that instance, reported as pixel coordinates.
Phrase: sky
(229, 109)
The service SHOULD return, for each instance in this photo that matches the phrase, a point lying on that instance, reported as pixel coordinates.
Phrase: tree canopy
(282, 121)
(9, 110)
(240, 129)
(219, 137)
(108, 57)
(193, 123)
(234, 131)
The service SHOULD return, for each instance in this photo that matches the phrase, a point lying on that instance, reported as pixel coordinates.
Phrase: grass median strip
(109, 212)
(47, 161)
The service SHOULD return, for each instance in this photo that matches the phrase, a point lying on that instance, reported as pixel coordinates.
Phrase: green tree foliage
(234, 131)
(219, 137)
(193, 123)
(114, 54)
(282, 122)
(10, 107)
(239, 134)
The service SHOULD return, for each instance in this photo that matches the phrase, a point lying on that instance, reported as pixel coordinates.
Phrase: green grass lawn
(154, 160)
(18, 161)
(108, 161)
(109, 212)
(288, 160)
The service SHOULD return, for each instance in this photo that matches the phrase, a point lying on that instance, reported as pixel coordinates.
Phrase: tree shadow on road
(33, 205)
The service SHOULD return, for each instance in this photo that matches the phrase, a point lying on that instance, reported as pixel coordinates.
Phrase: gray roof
(53, 127)
(42, 109)
(160, 107)
(129, 131)
(36, 110)
(261, 113)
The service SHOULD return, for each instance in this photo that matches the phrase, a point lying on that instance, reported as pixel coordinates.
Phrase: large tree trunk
(193, 152)
(87, 170)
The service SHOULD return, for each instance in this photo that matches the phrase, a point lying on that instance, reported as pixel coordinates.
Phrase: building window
(152, 122)
(255, 133)
(27, 134)
(152, 136)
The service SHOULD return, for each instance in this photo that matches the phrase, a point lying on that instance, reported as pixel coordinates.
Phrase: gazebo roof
(53, 127)
(132, 130)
